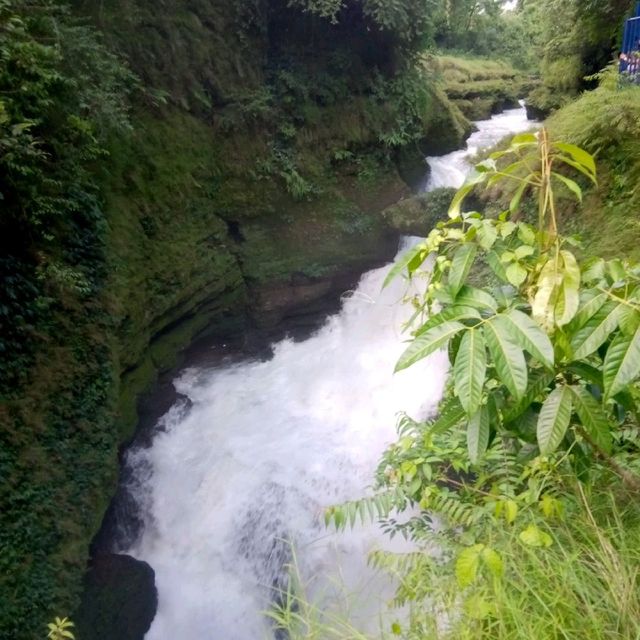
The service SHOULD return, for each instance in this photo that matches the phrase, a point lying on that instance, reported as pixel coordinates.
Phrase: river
(235, 481)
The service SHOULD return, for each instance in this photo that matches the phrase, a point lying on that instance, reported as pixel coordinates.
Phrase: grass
(478, 86)
(585, 585)
(606, 122)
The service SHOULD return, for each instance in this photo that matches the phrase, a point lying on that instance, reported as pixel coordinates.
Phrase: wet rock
(119, 600)
(535, 112)
(300, 302)
(412, 166)
(417, 215)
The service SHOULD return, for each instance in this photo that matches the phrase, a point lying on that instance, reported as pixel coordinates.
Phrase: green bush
(521, 439)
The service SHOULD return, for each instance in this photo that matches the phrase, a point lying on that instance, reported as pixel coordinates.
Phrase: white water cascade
(232, 484)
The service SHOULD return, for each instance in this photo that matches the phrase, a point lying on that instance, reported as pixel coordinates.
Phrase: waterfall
(238, 477)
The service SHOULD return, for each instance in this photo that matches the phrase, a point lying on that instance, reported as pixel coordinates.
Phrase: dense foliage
(483, 28)
(61, 92)
(156, 129)
(572, 41)
(120, 151)
(540, 416)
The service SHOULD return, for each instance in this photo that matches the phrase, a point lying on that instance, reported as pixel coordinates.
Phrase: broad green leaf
(587, 310)
(529, 336)
(554, 419)
(572, 185)
(450, 313)
(516, 274)
(402, 263)
(592, 417)
(569, 299)
(429, 342)
(478, 434)
(582, 157)
(507, 355)
(496, 265)
(467, 565)
(504, 296)
(526, 233)
(578, 167)
(472, 297)
(507, 257)
(517, 196)
(587, 372)
(593, 270)
(461, 265)
(458, 199)
(487, 234)
(469, 370)
(557, 298)
(550, 506)
(507, 228)
(538, 383)
(532, 536)
(622, 363)
(629, 320)
(508, 509)
(524, 251)
(616, 270)
(524, 139)
(453, 346)
(543, 307)
(596, 330)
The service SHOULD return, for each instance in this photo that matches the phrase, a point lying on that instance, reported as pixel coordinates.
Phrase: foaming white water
(452, 169)
(230, 485)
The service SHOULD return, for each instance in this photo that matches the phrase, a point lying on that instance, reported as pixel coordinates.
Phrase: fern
(365, 510)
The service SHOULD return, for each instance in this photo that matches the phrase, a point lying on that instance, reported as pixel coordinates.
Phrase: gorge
(196, 185)
(238, 472)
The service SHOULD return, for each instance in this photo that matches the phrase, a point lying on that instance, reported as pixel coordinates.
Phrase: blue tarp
(630, 53)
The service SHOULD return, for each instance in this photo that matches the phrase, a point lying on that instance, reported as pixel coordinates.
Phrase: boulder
(119, 600)
(417, 215)
(412, 166)
(535, 112)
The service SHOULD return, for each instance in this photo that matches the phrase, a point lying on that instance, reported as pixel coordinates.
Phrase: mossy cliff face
(480, 87)
(207, 246)
(250, 185)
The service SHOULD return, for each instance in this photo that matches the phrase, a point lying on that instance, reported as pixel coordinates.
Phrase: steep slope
(243, 180)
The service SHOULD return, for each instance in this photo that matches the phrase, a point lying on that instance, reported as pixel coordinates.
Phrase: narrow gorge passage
(236, 480)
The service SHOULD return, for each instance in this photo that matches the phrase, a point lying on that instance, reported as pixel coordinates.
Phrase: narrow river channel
(235, 481)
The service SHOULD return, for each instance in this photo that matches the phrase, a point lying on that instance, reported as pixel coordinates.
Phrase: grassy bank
(531, 539)
(606, 122)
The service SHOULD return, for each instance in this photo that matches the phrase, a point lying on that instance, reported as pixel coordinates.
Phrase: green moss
(605, 122)
(336, 232)
(479, 87)
(230, 186)
(419, 214)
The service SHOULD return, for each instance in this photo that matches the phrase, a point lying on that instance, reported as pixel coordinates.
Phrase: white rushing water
(451, 170)
(230, 485)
